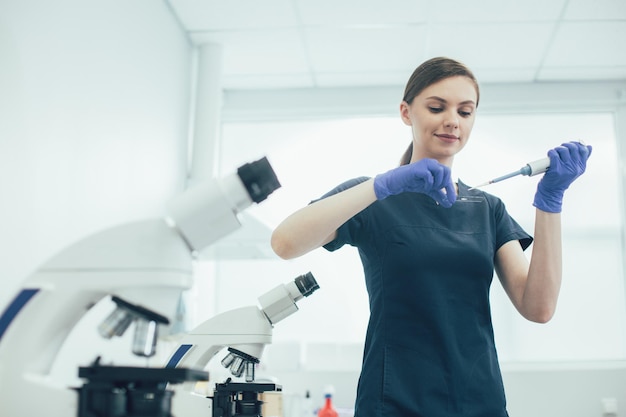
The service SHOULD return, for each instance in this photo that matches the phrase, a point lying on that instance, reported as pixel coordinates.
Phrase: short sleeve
(508, 229)
(347, 231)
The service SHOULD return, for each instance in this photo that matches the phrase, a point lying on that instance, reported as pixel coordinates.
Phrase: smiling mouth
(447, 137)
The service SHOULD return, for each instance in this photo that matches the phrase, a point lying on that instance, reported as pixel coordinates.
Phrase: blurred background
(108, 109)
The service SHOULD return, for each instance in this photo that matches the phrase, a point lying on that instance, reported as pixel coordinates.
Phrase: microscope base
(120, 391)
(244, 397)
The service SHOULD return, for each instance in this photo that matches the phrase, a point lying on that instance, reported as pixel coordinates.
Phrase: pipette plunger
(530, 169)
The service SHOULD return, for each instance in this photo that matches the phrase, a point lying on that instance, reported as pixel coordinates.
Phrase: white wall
(93, 122)
(558, 386)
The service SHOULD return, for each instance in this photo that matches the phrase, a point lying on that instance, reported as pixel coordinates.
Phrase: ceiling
(338, 43)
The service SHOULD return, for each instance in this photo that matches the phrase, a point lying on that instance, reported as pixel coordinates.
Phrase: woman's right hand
(426, 176)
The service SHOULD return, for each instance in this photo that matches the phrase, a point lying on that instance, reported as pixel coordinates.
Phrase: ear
(405, 113)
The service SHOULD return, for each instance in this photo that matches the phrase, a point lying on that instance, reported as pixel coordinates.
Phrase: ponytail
(406, 157)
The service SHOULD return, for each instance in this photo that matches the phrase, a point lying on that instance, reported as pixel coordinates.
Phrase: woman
(429, 248)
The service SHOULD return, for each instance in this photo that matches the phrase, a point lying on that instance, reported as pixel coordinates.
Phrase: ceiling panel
(366, 49)
(314, 43)
(362, 12)
(493, 45)
(588, 44)
(356, 79)
(276, 51)
(267, 81)
(198, 15)
(594, 10)
(569, 73)
(486, 74)
(496, 11)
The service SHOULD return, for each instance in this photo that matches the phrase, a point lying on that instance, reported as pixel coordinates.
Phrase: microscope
(144, 267)
(243, 332)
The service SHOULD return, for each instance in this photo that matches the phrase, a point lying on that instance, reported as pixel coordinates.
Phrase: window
(311, 157)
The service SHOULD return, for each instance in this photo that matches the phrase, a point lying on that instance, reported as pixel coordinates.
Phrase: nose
(452, 120)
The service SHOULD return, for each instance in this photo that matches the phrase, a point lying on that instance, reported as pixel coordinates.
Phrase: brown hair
(428, 73)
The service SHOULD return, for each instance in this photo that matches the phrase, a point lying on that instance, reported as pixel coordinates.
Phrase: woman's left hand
(567, 162)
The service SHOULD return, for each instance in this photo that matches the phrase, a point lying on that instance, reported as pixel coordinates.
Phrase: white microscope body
(146, 263)
(244, 331)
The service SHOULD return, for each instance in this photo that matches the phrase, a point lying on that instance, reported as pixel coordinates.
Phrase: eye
(435, 109)
(465, 113)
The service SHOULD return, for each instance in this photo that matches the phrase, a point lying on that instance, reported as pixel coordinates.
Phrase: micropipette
(530, 169)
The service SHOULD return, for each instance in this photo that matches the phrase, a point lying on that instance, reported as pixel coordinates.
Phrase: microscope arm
(246, 329)
(144, 261)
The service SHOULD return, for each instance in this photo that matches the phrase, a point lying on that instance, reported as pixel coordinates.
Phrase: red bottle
(328, 410)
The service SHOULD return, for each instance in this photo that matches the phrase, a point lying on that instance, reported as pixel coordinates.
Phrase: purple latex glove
(567, 162)
(426, 176)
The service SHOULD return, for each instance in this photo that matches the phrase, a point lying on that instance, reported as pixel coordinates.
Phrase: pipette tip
(479, 185)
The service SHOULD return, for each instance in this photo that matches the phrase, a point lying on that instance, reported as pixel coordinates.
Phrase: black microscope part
(306, 284)
(259, 179)
(119, 391)
(240, 399)
(140, 311)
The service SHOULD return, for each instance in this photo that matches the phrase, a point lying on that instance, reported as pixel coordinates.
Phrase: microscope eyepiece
(281, 301)
(306, 284)
(259, 179)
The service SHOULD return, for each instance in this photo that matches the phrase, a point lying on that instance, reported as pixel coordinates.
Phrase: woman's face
(441, 118)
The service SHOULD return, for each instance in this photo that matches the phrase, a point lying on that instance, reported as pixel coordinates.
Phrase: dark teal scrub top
(429, 348)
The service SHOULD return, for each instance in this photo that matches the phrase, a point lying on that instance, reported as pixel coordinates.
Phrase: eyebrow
(444, 101)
